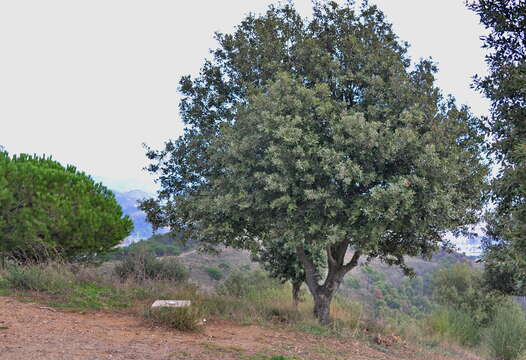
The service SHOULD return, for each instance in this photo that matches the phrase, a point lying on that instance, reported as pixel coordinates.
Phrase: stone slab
(171, 303)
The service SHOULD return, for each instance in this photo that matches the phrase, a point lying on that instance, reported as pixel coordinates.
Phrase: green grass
(92, 297)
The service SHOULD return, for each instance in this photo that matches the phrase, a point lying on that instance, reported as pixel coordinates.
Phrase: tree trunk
(296, 287)
(323, 293)
(322, 306)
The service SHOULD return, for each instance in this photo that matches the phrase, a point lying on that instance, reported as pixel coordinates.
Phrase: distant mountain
(128, 201)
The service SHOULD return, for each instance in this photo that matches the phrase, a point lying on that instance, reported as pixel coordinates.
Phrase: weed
(183, 318)
(505, 336)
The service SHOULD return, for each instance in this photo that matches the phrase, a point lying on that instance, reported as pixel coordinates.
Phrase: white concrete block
(171, 303)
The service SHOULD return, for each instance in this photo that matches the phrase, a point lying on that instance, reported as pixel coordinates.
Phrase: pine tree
(47, 209)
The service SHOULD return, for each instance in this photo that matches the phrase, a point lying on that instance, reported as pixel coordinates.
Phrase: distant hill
(470, 245)
(128, 201)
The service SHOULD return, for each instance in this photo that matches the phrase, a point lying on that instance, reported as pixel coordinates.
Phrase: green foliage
(158, 244)
(242, 283)
(455, 325)
(352, 283)
(505, 337)
(461, 287)
(505, 249)
(47, 209)
(214, 272)
(142, 265)
(322, 134)
(224, 266)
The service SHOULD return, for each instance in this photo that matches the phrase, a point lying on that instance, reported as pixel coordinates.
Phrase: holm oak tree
(505, 87)
(319, 134)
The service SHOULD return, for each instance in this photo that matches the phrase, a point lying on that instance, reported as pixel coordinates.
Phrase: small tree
(505, 248)
(317, 133)
(47, 209)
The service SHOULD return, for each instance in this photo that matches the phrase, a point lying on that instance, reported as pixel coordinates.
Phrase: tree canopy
(505, 87)
(47, 209)
(321, 134)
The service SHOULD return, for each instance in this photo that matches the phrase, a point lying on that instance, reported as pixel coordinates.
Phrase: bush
(240, 283)
(455, 325)
(505, 338)
(461, 287)
(352, 283)
(184, 318)
(224, 266)
(214, 273)
(141, 265)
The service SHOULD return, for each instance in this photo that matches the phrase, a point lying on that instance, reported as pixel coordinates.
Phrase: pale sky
(89, 81)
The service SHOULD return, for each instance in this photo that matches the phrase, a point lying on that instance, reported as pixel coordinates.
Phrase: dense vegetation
(505, 86)
(48, 209)
(318, 133)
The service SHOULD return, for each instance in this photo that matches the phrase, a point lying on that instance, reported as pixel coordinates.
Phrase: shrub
(505, 337)
(241, 283)
(456, 325)
(352, 282)
(461, 287)
(184, 318)
(53, 278)
(141, 265)
(224, 266)
(214, 273)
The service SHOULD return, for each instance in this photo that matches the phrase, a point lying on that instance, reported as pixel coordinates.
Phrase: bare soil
(32, 331)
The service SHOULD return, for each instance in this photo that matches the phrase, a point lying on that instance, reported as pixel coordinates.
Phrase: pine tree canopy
(47, 209)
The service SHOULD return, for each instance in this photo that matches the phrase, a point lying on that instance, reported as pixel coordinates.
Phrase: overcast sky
(89, 81)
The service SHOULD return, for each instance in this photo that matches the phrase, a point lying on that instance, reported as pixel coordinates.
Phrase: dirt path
(31, 331)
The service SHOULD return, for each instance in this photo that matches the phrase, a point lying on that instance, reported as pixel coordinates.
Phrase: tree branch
(330, 257)
(353, 262)
(312, 277)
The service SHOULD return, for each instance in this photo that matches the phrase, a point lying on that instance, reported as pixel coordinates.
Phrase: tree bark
(322, 307)
(296, 287)
(323, 293)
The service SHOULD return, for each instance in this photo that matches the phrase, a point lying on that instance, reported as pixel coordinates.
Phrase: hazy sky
(89, 81)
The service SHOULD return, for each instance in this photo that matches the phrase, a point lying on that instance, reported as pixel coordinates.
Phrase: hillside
(208, 270)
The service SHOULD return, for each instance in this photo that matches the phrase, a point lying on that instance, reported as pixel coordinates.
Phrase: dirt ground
(32, 331)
